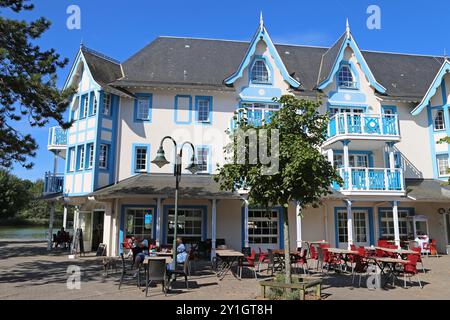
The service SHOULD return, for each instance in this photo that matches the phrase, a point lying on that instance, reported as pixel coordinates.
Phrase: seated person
(140, 249)
(181, 252)
(61, 237)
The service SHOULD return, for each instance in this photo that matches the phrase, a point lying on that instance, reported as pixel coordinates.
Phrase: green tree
(27, 84)
(304, 174)
(14, 194)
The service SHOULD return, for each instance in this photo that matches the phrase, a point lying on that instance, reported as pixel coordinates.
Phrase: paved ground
(27, 271)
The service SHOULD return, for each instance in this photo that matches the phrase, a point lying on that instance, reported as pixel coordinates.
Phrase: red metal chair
(380, 253)
(360, 267)
(431, 248)
(263, 257)
(353, 247)
(314, 255)
(329, 259)
(410, 269)
(419, 254)
(300, 259)
(248, 262)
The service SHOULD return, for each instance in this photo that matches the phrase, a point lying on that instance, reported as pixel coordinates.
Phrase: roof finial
(81, 43)
(347, 28)
(261, 20)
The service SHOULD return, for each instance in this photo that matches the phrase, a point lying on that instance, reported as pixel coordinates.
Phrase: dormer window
(345, 78)
(260, 73)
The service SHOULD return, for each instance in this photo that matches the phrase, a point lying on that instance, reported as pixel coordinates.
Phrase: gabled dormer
(262, 75)
(342, 65)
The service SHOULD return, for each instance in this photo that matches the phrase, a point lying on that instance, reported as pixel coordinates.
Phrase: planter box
(303, 284)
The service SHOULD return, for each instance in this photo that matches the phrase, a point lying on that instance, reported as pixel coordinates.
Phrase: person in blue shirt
(181, 251)
(140, 250)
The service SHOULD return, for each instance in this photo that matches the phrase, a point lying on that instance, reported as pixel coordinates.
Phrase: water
(24, 233)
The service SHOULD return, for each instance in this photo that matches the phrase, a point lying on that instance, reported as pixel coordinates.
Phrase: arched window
(345, 77)
(259, 73)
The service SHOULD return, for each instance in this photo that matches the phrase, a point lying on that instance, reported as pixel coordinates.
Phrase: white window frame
(441, 159)
(103, 156)
(94, 104)
(82, 157)
(139, 220)
(106, 103)
(351, 158)
(202, 109)
(72, 159)
(266, 109)
(182, 219)
(387, 222)
(85, 105)
(263, 74)
(348, 81)
(138, 160)
(203, 166)
(143, 105)
(438, 120)
(91, 156)
(261, 218)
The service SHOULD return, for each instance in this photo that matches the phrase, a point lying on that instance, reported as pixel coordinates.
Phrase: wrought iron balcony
(371, 180)
(53, 183)
(361, 125)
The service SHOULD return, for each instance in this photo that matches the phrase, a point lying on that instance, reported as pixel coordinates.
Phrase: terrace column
(298, 218)
(65, 217)
(347, 169)
(396, 226)
(213, 227)
(52, 208)
(158, 222)
(349, 223)
(330, 156)
(391, 155)
(246, 223)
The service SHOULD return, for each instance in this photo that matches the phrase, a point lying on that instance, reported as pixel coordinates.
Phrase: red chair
(362, 252)
(248, 262)
(380, 253)
(314, 255)
(410, 269)
(353, 247)
(325, 246)
(382, 243)
(329, 259)
(431, 248)
(263, 257)
(300, 259)
(419, 254)
(360, 267)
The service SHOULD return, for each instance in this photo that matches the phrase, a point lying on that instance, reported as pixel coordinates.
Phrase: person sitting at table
(60, 237)
(181, 252)
(140, 249)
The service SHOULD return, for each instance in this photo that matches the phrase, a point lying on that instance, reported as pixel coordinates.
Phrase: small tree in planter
(303, 174)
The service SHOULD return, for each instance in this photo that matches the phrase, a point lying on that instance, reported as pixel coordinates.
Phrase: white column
(213, 227)
(396, 227)
(246, 224)
(158, 221)
(298, 218)
(65, 217)
(50, 227)
(330, 156)
(391, 156)
(107, 230)
(347, 164)
(115, 227)
(349, 223)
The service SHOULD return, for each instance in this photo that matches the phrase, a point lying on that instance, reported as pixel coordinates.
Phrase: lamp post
(161, 161)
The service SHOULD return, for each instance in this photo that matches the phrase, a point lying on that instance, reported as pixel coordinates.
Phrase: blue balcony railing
(255, 116)
(371, 179)
(53, 183)
(363, 124)
(57, 137)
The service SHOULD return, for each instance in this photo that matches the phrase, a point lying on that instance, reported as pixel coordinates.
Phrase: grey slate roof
(104, 70)
(207, 62)
(427, 190)
(191, 186)
(329, 57)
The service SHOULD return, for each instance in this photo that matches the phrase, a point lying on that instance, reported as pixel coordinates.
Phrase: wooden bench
(304, 284)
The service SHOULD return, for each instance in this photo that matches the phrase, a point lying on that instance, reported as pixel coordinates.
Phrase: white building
(389, 110)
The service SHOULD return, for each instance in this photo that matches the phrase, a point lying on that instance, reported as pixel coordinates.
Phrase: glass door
(360, 228)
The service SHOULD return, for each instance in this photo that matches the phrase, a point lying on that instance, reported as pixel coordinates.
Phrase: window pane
(259, 72)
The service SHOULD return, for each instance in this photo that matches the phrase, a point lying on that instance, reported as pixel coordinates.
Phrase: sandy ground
(28, 271)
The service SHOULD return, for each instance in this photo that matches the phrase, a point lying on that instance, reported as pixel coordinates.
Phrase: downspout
(118, 144)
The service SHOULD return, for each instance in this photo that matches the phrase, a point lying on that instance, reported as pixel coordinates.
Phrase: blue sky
(121, 28)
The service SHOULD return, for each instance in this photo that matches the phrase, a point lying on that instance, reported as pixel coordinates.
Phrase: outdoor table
(228, 258)
(309, 243)
(165, 254)
(382, 262)
(344, 253)
(400, 252)
(147, 258)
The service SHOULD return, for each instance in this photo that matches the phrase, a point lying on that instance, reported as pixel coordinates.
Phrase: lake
(24, 233)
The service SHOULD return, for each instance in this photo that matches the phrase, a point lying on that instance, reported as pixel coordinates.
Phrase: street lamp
(160, 160)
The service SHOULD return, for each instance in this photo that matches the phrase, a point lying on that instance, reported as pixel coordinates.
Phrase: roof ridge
(100, 55)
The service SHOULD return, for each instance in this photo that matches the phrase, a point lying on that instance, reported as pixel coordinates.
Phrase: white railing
(371, 179)
(53, 183)
(363, 124)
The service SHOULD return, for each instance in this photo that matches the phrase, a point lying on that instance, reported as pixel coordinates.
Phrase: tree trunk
(287, 255)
